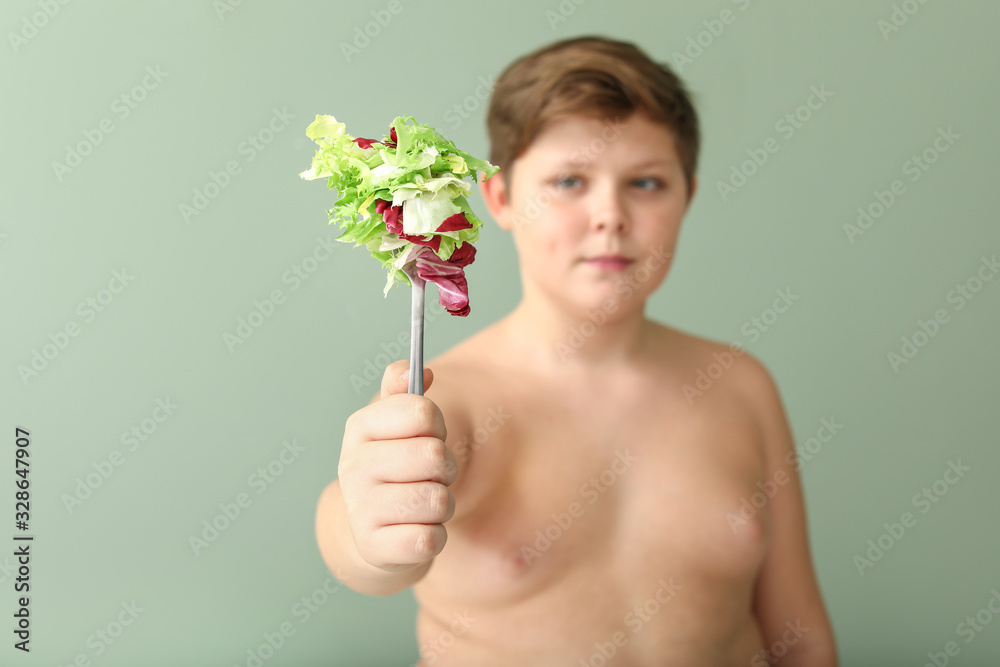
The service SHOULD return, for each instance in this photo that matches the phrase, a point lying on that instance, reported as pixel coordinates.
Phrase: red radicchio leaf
(453, 288)
(434, 243)
(454, 223)
(392, 215)
(463, 255)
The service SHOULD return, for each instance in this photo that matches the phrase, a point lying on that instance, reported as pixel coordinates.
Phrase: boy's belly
(586, 621)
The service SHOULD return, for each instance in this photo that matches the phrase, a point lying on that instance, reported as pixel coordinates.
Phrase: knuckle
(430, 540)
(435, 451)
(449, 510)
(450, 469)
(424, 545)
(438, 499)
(423, 410)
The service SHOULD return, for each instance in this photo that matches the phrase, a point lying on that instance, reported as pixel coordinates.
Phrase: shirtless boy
(561, 496)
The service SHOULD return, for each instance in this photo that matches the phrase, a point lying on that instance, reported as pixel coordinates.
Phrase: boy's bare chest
(558, 495)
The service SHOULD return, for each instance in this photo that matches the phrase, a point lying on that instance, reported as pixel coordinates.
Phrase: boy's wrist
(373, 580)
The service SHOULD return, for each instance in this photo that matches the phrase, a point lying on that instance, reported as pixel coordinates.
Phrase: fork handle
(416, 334)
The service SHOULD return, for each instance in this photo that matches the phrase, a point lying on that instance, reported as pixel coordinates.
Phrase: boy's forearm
(336, 545)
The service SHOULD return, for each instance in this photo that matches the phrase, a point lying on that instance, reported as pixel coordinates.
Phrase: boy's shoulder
(712, 376)
(712, 361)
(723, 376)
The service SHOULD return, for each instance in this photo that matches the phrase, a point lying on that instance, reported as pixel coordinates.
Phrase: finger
(396, 378)
(421, 459)
(398, 416)
(417, 502)
(406, 544)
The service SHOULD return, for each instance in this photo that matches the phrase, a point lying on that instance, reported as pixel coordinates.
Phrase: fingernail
(405, 375)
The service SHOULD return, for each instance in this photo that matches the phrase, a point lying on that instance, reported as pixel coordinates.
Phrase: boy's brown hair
(587, 76)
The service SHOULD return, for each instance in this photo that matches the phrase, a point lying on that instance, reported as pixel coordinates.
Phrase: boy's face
(595, 208)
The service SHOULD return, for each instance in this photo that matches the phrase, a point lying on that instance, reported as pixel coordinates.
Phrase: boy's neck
(548, 335)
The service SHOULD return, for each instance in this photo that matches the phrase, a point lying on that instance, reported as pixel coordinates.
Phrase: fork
(416, 330)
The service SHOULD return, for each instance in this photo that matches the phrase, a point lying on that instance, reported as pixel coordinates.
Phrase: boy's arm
(787, 599)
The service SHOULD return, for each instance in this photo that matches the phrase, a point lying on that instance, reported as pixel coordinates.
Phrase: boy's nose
(608, 211)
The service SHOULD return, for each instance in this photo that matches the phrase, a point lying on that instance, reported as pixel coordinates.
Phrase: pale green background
(162, 336)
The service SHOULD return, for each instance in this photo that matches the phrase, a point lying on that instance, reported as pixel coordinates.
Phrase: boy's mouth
(609, 262)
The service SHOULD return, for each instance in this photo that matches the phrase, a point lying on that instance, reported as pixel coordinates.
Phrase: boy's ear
(494, 191)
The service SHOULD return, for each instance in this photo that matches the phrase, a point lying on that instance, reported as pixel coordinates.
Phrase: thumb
(396, 379)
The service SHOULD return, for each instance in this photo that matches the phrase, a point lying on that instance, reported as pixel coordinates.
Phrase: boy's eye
(568, 182)
(648, 183)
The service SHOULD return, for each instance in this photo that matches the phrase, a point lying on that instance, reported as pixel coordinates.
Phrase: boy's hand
(394, 474)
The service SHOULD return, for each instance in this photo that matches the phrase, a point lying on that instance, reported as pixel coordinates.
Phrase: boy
(593, 506)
